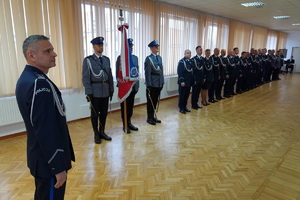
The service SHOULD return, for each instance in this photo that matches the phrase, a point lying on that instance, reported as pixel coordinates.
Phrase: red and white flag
(125, 79)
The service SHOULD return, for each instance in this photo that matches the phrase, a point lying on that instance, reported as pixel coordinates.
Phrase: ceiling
(232, 9)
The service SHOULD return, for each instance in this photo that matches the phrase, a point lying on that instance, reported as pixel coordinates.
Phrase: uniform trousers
(184, 93)
(227, 87)
(99, 109)
(240, 84)
(232, 84)
(212, 90)
(154, 93)
(129, 107)
(44, 189)
(219, 87)
(196, 88)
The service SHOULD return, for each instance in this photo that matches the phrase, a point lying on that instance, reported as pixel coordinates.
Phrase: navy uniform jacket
(97, 77)
(49, 147)
(198, 72)
(154, 73)
(224, 67)
(185, 72)
(231, 66)
(238, 68)
(249, 66)
(254, 63)
(208, 70)
(243, 65)
(136, 64)
(215, 60)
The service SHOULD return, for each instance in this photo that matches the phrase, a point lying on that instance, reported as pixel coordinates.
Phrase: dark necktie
(156, 58)
(100, 58)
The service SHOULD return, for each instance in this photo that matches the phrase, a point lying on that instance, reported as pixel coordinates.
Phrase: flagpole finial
(121, 18)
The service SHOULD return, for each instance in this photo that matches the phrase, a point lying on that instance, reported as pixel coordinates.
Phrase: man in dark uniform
(237, 70)
(264, 65)
(154, 78)
(223, 74)
(228, 90)
(185, 81)
(49, 146)
(241, 78)
(98, 83)
(130, 98)
(215, 60)
(198, 76)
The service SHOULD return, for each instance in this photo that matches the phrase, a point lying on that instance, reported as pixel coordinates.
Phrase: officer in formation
(98, 83)
(185, 80)
(209, 78)
(216, 63)
(154, 78)
(130, 98)
(224, 75)
(198, 76)
(49, 147)
(229, 83)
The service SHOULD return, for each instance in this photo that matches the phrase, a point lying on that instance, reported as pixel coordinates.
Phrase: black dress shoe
(222, 98)
(150, 121)
(195, 107)
(199, 106)
(131, 127)
(182, 111)
(218, 98)
(97, 138)
(187, 110)
(156, 120)
(127, 131)
(215, 101)
(211, 101)
(104, 136)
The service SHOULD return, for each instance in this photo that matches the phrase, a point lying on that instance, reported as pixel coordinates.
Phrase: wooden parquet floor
(245, 147)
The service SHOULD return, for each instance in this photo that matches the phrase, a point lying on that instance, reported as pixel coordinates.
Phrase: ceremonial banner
(127, 74)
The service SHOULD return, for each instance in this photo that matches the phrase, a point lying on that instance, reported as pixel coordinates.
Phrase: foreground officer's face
(199, 51)
(43, 56)
(187, 54)
(98, 48)
(155, 49)
(207, 53)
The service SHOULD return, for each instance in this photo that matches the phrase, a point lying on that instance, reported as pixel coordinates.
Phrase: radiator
(9, 111)
(172, 83)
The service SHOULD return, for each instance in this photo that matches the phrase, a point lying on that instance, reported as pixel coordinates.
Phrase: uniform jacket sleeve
(180, 72)
(147, 69)
(86, 80)
(110, 78)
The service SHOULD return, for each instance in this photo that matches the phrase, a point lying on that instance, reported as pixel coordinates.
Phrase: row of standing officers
(237, 74)
(205, 75)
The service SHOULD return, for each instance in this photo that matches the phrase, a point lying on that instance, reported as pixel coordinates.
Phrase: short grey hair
(31, 41)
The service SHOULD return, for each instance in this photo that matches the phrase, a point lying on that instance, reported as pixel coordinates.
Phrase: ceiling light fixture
(296, 24)
(282, 17)
(257, 4)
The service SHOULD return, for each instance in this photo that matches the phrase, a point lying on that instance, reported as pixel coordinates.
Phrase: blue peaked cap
(153, 43)
(130, 41)
(97, 40)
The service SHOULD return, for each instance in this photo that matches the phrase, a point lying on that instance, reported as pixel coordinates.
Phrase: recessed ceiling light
(296, 24)
(253, 4)
(282, 17)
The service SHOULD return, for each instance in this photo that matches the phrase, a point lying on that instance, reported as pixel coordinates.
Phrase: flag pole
(121, 18)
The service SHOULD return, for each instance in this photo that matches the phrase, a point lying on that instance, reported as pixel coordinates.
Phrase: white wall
(293, 40)
(77, 107)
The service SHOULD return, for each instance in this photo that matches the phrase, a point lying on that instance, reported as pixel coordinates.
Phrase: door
(296, 55)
